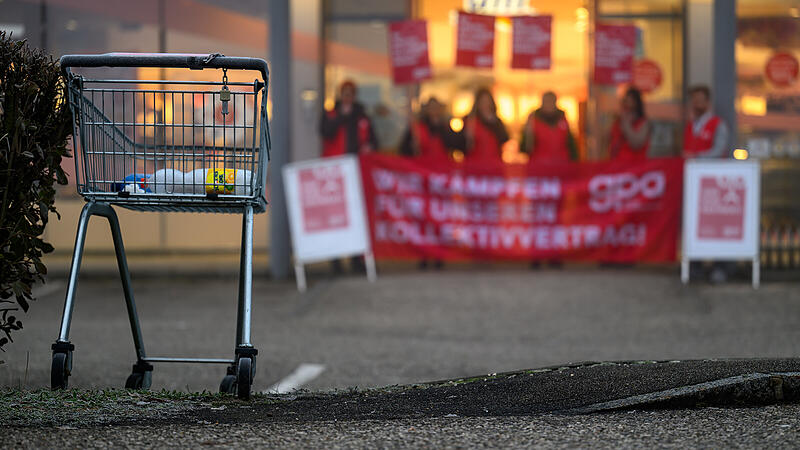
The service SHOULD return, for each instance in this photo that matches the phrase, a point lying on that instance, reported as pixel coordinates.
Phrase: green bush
(35, 123)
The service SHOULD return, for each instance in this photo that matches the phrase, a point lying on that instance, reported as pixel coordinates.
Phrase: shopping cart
(167, 145)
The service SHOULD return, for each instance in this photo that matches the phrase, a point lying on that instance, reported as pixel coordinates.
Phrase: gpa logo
(625, 191)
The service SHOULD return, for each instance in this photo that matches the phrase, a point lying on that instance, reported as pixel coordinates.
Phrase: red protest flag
(531, 40)
(475, 42)
(408, 47)
(614, 46)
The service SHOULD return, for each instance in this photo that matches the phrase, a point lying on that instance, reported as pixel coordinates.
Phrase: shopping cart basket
(167, 145)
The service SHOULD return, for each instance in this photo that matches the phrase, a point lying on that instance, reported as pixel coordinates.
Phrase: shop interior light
(740, 154)
(754, 105)
(456, 124)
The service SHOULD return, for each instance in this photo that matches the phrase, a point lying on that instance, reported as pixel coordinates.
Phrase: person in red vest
(630, 132)
(430, 137)
(484, 133)
(547, 137)
(705, 135)
(346, 128)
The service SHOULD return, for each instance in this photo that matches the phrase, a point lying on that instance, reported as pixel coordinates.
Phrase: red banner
(614, 212)
(408, 46)
(531, 40)
(475, 43)
(614, 46)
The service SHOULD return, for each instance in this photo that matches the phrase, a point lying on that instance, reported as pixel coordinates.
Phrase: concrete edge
(753, 389)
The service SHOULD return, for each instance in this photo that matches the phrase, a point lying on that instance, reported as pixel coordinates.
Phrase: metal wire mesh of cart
(170, 145)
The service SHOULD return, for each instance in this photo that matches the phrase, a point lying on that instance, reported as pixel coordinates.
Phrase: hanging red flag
(475, 43)
(531, 40)
(408, 47)
(613, 53)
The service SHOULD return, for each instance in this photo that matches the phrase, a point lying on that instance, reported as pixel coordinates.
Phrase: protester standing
(706, 134)
(429, 137)
(630, 132)
(346, 128)
(484, 133)
(547, 137)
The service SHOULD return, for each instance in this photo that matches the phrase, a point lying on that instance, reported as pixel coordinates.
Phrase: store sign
(721, 212)
(646, 75)
(531, 41)
(498, 7)
(475, 43)
(613, 211)
(782, 69)
(614, 46)
(408, 47)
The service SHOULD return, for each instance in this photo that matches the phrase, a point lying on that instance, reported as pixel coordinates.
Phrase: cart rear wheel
(139, 380)
(228, 385)
(59, 371)
(244, 378)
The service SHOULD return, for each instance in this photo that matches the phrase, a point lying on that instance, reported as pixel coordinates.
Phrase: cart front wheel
(138, 380)
(59, 371)
(228, 385)
(244, 378)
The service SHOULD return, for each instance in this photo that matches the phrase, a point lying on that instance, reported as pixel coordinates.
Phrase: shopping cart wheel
(141, 377)
(228, 385)
(244, 378)
(59, 371)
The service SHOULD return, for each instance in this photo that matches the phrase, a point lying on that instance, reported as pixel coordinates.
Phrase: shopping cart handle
(175, 60)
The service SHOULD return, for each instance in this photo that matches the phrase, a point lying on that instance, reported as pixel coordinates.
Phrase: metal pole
(724, 65)
(280, 87)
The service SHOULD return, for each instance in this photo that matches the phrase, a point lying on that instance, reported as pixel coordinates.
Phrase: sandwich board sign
(721, 212)
(327, 218)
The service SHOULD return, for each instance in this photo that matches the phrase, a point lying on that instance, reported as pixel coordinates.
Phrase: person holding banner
(346, 128)
(547, 137)
(484, 133)
(705, 135)
(430, 137)
(630, 132)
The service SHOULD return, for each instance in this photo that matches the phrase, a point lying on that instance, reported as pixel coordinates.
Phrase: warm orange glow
(740, 154)
(462, 104)
(329, 104)
(570, 106)
(458, 156)
(753, 105)
(456, 124)
(506, 109)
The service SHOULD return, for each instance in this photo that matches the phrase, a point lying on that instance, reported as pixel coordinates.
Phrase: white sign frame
(695, 248)
(352, 240)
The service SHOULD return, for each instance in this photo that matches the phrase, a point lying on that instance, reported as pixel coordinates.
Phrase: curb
(755, 389)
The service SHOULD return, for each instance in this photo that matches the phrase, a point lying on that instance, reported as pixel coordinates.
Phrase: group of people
(546, 137)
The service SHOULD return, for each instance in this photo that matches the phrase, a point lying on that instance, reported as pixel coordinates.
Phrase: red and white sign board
(531, 41)
(408, 47)
(327, 218)
(782, 69)
(647, 75)
(614, 46)
(475, 42)
(721, 212)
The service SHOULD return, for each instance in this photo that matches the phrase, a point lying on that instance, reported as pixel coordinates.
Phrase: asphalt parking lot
(409, 326)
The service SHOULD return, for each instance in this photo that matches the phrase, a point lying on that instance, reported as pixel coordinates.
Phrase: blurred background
(336, 40)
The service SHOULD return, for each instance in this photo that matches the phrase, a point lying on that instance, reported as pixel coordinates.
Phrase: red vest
(696, 145)
(337, 145)
(484, 146)
(620, 147)
(550, 143)
(431, 146)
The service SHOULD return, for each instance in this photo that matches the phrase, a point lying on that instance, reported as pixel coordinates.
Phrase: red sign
(782, 69)
(612, 211)
(613, 53)
(322, 195)
(646, 75)
(475, 43)
(530, 48)
(408, 46)
(721, 211)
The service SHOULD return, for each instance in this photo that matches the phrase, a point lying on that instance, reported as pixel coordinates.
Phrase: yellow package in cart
(220, 181)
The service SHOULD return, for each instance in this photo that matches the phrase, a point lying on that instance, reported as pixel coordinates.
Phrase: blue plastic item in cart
(140, 179)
